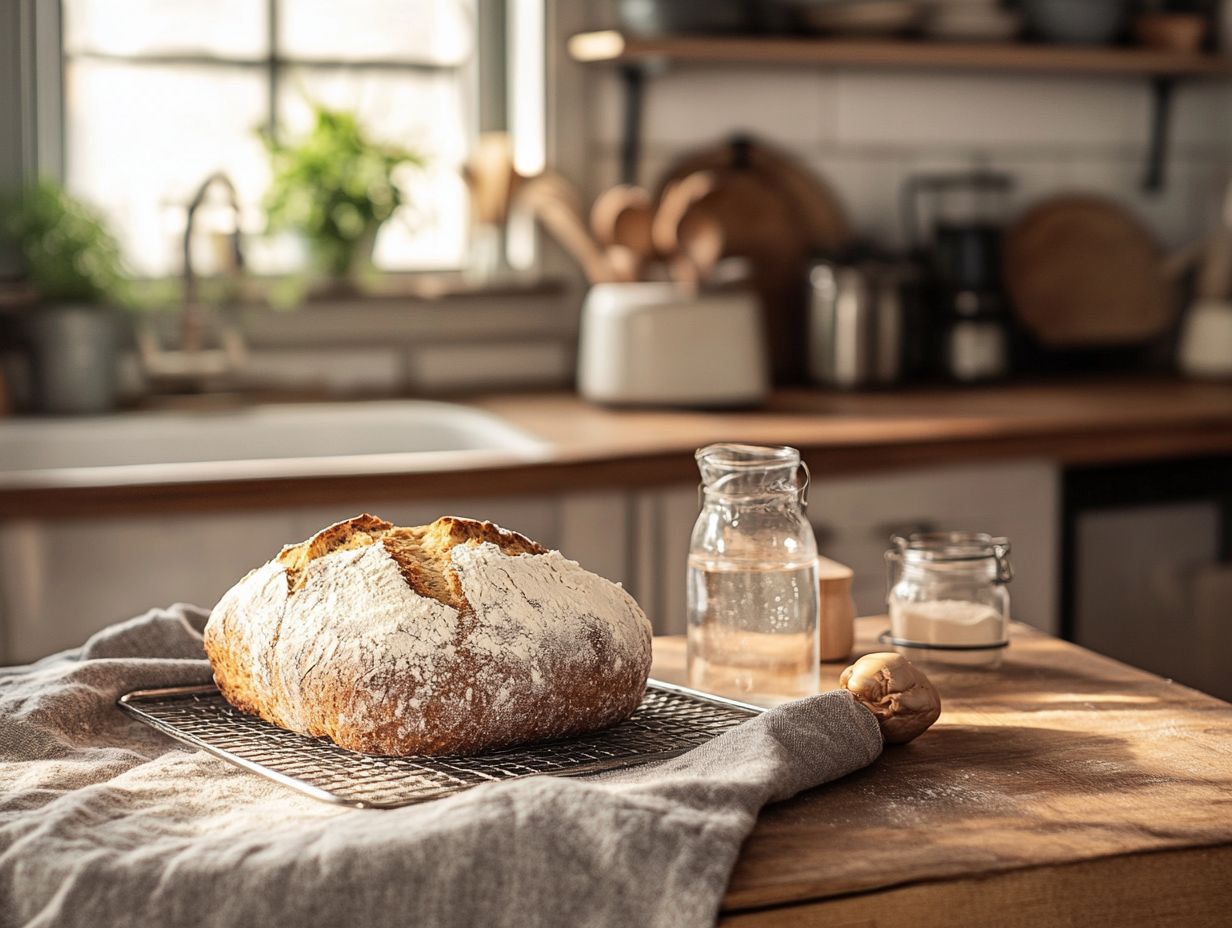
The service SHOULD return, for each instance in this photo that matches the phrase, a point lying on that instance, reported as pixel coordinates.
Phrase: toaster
(661, 344)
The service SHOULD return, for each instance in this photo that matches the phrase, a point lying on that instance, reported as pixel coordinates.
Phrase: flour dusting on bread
(454, 637)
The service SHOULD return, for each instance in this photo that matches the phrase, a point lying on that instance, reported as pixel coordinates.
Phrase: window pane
(425, 112)
(430, 232)
(428, 31)
(232, 28)
(141, 138)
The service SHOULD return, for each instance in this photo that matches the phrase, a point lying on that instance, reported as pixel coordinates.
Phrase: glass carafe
(753, 585)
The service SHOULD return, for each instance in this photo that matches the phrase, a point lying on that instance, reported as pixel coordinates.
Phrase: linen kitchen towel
(104, 822)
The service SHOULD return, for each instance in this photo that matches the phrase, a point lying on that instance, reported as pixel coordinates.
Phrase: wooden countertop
(1064, 788)
(1093, 422)
(592, 447)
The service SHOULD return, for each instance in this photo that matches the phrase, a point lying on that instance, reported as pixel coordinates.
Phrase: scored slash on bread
(422, 552)
(453, 637)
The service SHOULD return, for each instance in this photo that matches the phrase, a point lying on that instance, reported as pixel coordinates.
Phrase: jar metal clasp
(1001, 553)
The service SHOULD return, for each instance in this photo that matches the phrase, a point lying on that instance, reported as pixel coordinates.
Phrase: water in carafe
(753, 629)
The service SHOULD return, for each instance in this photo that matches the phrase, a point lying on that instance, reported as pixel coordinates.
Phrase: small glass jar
(752, 586)
(948, 601)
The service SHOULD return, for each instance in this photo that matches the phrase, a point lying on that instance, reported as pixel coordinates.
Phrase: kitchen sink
(129, 560)
(296, 436)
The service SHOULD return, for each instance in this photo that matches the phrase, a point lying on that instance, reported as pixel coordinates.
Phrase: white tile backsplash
(498, 364)
(866, 131)
(952, 110)
(1170, 213)
(868, 185)
(603, 169)
(789, 105)
(1202, 115)
(1034, 177)
(340, 371)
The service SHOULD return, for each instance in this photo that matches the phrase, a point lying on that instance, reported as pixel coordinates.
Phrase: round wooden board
(776, 212)
(1082, 272)
(820, 212)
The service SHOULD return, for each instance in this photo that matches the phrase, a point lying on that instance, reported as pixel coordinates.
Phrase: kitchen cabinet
(1143, 568)
(854, 518)
(616, 490)
(62, 580)
(1148, 568)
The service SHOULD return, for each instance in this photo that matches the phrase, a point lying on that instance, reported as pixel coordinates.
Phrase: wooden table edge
(1186, 886)
(1031, 887)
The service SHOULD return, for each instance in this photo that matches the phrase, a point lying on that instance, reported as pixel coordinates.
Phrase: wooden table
(1063, 789)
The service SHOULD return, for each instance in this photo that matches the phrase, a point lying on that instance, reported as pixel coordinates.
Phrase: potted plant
(336, 187)
(76, 276)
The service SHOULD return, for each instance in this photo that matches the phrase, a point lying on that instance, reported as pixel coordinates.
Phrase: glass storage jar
(752, 585)
(948, 600)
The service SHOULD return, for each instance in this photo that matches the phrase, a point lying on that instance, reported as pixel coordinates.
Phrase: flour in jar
(949, 622)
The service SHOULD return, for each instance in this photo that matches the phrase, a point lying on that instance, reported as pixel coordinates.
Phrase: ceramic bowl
(1079, 22)
(1174, 32)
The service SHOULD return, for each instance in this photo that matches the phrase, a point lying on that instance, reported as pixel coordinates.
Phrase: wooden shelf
(637, 58)
(611, 47)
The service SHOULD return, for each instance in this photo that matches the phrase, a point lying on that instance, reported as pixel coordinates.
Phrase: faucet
(192, 363)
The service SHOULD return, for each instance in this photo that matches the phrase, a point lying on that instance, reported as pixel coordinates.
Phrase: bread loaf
(451, 638)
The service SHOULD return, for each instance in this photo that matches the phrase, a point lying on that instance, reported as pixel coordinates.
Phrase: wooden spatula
(553, 202)
(621, 220)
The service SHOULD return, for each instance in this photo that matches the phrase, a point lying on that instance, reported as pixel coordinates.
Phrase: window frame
(37, 46)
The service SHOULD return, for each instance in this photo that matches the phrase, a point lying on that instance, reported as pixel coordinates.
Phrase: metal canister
(857, 322)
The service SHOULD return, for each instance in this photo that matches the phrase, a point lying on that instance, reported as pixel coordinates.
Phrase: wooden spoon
(621, 218)
(552, 202)
(490, 176)
(611, 206)
(677, 197)
(633, 231)
(701, 240)
(624, 263)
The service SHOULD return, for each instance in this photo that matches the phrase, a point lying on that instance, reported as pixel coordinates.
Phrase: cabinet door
(664, 523)
(1150, 591)
(593, 529)
(62, 581)
(854, 519)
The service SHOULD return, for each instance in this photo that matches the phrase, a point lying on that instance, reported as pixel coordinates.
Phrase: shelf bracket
(633, 77)
(1162, 89)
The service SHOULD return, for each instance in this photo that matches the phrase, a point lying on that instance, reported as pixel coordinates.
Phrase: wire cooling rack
(671, 720)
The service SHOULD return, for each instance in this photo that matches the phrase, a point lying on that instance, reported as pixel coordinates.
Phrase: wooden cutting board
(1082, 272)
(819, 211)
(777, 213)
(1064, 788)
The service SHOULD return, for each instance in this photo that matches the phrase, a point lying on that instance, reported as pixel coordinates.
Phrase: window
(159, 95)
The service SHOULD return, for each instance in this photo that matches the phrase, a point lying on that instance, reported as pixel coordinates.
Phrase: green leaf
(336, 187)
(70, 256)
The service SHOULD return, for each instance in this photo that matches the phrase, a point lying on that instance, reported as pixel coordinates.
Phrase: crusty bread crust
(450, 638)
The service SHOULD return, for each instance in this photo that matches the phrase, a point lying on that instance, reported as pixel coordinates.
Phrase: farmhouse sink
(299, 438)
